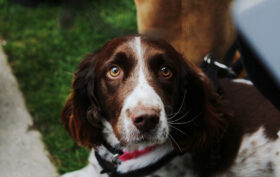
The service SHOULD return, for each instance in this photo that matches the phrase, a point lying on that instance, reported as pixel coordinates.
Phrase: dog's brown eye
(114, 72)
(165, 72)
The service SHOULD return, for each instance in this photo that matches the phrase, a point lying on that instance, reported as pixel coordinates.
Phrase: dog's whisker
(168, 108)
(183, 101)
(175, 128)
(169, 142)
(171, 138)
(176, 120)
(181, 123)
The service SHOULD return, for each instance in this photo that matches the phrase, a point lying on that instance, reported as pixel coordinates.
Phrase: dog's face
(139, 81)
(139, 92)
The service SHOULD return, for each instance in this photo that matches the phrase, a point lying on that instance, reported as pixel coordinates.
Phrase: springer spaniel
(146, 111)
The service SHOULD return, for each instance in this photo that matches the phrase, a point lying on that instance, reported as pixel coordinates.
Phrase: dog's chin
(135, 140)
(142, 142)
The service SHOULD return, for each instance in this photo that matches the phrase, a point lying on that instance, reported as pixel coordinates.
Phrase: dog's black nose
(145, 119)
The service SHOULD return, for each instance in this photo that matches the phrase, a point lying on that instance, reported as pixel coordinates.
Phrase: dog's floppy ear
(205, 103)
(80, 115)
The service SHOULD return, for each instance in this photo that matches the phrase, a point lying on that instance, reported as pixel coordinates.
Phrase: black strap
(107, 167)
(113, 150)
(237, 67)
(215, 70)
(229, 57)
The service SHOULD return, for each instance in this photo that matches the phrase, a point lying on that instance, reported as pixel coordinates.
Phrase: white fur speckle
(256, 157)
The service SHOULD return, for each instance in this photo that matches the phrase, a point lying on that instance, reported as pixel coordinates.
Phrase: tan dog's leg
(193, 27)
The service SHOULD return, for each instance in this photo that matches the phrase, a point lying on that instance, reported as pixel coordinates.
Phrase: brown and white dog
(140, 96)
(193, 28)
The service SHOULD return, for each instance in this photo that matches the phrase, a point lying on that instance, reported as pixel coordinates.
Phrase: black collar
(110, 167)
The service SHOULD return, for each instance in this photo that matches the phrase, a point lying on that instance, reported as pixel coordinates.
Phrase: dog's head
(139, 92)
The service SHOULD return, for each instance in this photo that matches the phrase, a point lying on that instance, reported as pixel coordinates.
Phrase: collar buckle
(115, 160)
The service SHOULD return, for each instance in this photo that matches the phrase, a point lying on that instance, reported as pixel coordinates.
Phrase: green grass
(44, 56)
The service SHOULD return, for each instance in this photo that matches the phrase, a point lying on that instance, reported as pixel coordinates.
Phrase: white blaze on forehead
(138, 48)
(143, 94)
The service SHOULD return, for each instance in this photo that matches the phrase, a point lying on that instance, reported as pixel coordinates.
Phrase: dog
(194, 28)
(147, 111)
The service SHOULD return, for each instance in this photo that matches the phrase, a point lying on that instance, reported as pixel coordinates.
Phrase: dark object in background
(259, 37)
(258, 74)
(35, 3)
(67, 18)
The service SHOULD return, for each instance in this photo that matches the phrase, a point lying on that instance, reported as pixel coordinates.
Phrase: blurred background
(44, 41)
